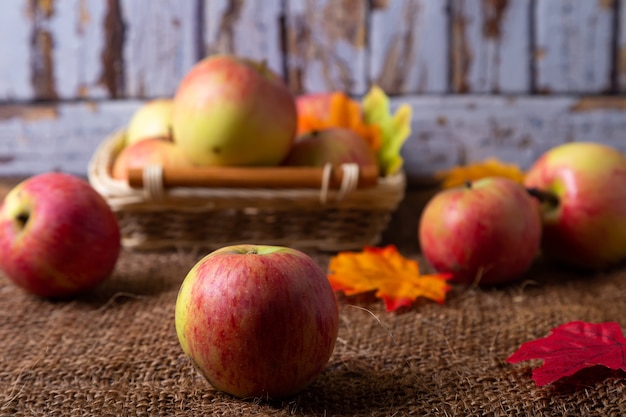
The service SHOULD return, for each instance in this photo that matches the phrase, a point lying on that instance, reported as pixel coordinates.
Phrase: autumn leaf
(491, 167)
(573, 347)
(339, 110)
(394, 278)
(395, 128)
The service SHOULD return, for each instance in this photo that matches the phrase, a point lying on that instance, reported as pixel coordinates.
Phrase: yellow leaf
(394, 278)
(395, 129)
(491, 167)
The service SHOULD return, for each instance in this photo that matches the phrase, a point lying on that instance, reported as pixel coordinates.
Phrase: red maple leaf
(572, 347)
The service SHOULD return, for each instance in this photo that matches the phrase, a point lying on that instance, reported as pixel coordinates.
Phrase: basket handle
(258, 177)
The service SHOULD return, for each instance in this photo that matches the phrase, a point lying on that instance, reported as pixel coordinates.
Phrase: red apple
(257, 321)
(232, 111)
(333, 145)
(488, 231)
(58, 236)
(584, 224)
(152, 119)
(152, 151)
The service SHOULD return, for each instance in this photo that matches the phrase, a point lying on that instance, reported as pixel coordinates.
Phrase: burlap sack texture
(114, 352)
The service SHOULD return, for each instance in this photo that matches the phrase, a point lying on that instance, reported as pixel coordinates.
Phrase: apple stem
(544, 196)
(468, 184)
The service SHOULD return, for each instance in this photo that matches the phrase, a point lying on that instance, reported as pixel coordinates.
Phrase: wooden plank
(460, 129)
(161, 43)
(446, 130)
(621, 48)
(574, 46)
(490, 46)
(250, 29)
(78, 43)
(55, 49)
(63, 137)
(408, 44)
(15, 33)
(326, 45)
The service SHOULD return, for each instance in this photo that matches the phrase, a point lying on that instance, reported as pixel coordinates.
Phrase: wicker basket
(154, 218)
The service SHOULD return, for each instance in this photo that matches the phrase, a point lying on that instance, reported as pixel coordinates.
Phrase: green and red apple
(488, 231)
(58, 236)
(583, 186)
(152, 119)
(230, 111)
(335, 145)
(257, 321)
(150, 151)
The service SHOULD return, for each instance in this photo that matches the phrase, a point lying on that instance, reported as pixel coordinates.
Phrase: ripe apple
(488, 231)
(58, 236)
(584, 223)
(336, 145)
(233, 111)
(151, 151)
(257, 321)
(152, 119)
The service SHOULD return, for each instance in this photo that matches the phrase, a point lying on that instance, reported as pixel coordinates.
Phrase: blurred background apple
(333, 145)
(584, 224)
(152, 119)
(487, 232)
(151, 151)
(233, 111)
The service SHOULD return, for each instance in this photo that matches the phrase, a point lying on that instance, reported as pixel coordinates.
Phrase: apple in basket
(151, 151)
(257, 321)
(488, 231)
(152, 119)
(335, 145)
(583, 189)
(231, 111)
(58, 236)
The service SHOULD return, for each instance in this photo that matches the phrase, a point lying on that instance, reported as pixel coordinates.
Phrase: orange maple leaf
(491, 167)
(396, 279)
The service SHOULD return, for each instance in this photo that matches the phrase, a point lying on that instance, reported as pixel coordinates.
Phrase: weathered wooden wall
(508, 78)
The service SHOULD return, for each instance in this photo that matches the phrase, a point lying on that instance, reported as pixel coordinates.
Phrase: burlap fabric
(114, 351)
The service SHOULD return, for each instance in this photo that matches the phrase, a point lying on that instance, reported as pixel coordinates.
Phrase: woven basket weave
(155, 218)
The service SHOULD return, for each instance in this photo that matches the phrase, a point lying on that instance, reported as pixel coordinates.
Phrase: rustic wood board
(160, 45)
(95, 49)
(490, 46)
(15, 83)
(574, 47)
(246, 28)
(620, 58)
(326, 45)
(446, 130)
(61, 137)
(462, 129)
(408, 44)
(55, 50)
